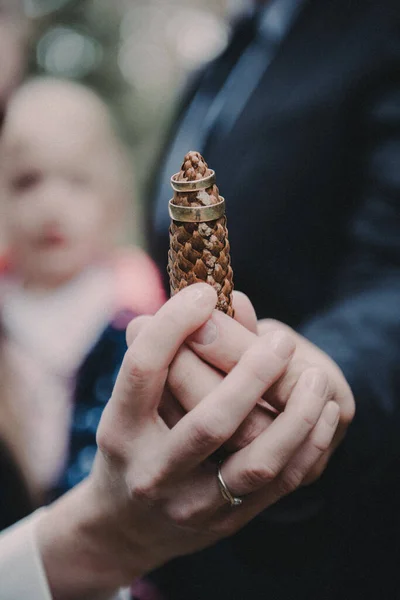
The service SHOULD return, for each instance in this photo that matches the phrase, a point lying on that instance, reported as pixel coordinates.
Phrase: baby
(66, 290)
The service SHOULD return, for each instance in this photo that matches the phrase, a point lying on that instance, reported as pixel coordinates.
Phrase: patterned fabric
(94, 385)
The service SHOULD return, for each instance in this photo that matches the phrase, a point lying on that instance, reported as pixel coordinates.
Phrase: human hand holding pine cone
(192, 258)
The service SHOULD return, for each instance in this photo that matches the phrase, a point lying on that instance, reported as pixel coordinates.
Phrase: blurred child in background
(66, 289)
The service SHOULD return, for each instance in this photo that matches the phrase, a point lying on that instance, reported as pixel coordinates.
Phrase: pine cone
(199, 251)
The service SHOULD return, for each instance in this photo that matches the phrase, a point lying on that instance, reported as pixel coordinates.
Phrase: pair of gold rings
(195, 214)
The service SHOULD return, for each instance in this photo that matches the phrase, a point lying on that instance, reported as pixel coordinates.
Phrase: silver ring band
(225, 491)
(196, 214)
(193, 186)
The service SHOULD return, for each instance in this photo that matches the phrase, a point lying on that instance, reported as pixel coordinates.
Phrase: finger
(134, 327)
(340, 389)
(300, 465)
(200, 496)
(314, 456)
(265, 458)
(280, 392)
(315, 447)
(290, 478)
(244, 311)
(217, 417)
(142, 376)
(221, 341)
(190, 380)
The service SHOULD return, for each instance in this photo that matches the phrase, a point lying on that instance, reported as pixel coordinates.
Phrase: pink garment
(138, 283)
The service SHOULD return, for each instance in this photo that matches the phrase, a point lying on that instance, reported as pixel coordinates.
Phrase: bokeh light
(65, 52)
(198, 36)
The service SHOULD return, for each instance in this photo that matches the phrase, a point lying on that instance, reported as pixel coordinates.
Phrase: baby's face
(57, 212)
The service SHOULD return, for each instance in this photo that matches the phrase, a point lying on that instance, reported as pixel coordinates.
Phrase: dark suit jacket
(311, 176)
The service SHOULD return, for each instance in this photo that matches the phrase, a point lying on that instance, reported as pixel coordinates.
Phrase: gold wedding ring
(196, 214)
(225, 491)
(192, 186)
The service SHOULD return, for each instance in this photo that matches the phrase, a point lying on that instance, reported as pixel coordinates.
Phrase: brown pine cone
(199, 251)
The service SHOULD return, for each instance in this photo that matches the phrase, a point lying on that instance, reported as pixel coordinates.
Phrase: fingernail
(282, 344)
(317, 382)
(206, 334)
(331, 413)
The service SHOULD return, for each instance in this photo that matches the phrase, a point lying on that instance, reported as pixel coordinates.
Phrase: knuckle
(209, 432)
(138, 367)
(145, 488)
(110, 444)
(103, 440)
(134, 327)
(183, 514)
(258, 476)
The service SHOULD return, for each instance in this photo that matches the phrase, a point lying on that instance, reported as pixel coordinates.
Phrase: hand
(306, 355)
(222, 341)
(153, 494)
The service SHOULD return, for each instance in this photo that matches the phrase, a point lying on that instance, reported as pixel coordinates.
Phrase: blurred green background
(137, 54)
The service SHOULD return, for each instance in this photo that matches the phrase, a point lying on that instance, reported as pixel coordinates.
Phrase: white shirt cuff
(21, 570)
(22, 574)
